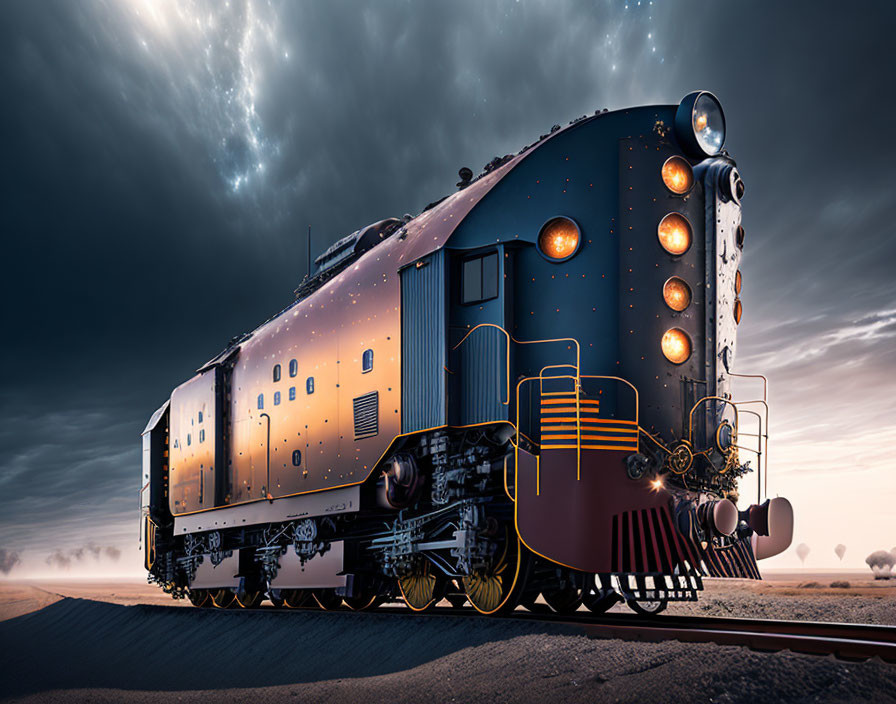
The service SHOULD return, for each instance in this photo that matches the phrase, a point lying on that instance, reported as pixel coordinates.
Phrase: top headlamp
(700, 124)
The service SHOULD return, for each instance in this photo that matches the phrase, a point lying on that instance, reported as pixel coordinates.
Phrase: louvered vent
(367, 411)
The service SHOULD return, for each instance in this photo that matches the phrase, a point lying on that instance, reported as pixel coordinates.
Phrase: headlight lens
(700, 124)
(559, 239)
(709, 124)
(674, 232)
(677, 294)
(676, 346)
(724, 436)
(738, 283)
(678, 175)
(738, 311)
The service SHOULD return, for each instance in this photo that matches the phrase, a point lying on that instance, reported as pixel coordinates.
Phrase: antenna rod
(308, 273)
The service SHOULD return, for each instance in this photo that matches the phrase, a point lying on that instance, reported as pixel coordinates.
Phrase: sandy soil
(133, 646)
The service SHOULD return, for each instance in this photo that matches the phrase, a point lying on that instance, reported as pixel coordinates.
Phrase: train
(521, 396)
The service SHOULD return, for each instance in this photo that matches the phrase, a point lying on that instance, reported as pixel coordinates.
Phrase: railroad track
(845, 641)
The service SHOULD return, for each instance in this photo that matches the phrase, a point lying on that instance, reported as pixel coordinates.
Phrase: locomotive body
(525, 390)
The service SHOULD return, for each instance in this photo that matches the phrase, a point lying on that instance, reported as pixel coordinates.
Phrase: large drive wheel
(247, 600)
(647, 608)
(363, 602)
(498, 586)
(222, 598)
(327, 599)
(600, 601)
(419, 587)
(563, 600)
(200, 598)
(294, 598)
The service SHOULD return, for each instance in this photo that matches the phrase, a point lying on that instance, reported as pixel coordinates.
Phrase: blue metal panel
(483, 377)
(423, 344)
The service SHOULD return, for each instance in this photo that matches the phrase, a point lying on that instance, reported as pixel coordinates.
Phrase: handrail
(755, 376)
(760, 435)
(765, 405)
(709, 398)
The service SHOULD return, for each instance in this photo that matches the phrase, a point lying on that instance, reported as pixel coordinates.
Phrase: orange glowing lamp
(678, 175)
(674, 232)
(677, 294)
(559, 239)
(676, 346)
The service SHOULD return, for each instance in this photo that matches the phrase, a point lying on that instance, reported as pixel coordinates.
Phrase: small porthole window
(296, 458)
(276, 398)
(200, 416)
(367, 361)
(276, 372)
(309, 385)
(292, 393)
(202, 435)
(260, 402)
(293, 367)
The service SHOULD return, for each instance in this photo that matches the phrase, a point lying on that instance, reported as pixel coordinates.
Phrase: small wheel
(647, 608)
(363, 602)
(498, 586)
(564, 600)
(601, 601)
(419, 587)
(222, 598)
(326, 599)
(247, 600)
(200, 598)
(294, 598)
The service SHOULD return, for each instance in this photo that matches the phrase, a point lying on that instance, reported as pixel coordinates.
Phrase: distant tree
(881, 563)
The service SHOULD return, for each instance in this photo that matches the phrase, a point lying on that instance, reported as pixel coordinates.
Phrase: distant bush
(810, 585)
(840, 584)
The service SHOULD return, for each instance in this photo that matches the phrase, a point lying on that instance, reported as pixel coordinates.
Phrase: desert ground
(127, 641)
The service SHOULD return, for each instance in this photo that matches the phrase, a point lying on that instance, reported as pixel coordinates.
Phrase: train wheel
(647, 608)
(247, 600)
(326, 599)
(294, 598)
(222, 598)
(498, 587)
(419, 587)
(563, 600)
(200, 598)
(363, 602)
(601, 600)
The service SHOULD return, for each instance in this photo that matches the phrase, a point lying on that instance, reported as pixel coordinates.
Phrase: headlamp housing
(700, 124)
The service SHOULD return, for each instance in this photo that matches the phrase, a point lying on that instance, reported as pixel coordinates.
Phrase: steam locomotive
(524, 391)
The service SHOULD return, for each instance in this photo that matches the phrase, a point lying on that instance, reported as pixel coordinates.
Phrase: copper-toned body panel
(192, 444)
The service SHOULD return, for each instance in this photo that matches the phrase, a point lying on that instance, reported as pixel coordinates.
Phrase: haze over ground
(163, 161)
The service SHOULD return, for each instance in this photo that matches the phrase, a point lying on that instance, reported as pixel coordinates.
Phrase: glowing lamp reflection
(676, 346)
(674, 232)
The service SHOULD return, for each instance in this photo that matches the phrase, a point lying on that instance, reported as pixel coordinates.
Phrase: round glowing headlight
(678, 175)
(676, 345)
(738, 310)
(724, 436)
(738, 283)
(674, 232)
(559, 239)
(700, 124)
(677, 294)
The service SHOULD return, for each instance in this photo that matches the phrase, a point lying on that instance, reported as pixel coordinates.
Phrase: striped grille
(561, 420)
(366, 410)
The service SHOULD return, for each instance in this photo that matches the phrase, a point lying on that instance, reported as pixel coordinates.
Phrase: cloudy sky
(163, 160)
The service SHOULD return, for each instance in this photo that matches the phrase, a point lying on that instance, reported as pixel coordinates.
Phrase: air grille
(366, 409)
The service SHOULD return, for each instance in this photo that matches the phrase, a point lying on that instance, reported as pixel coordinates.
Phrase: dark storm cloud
(163, 161)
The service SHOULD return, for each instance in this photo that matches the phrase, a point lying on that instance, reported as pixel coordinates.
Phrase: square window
(293, 367)
(202, 435)
(276, 372)
(309, 385)
(366, 361)
(260, 402)
(292, 393)
(200, 416)
(480, 278)
(276, 398)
